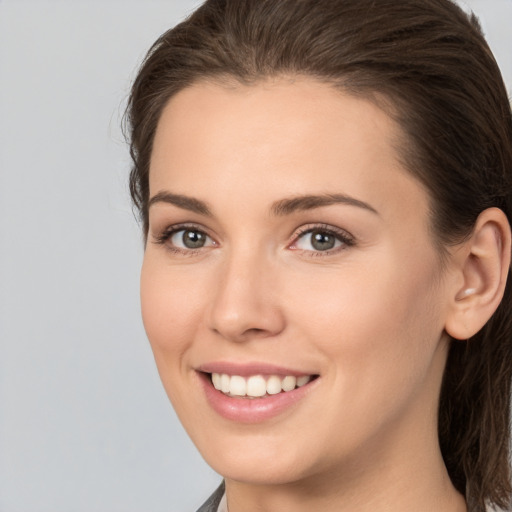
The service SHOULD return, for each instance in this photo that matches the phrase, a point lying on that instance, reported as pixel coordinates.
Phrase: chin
(259, 463)
(271, 472)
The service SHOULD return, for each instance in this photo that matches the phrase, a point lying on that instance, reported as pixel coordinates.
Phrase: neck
(422, 485)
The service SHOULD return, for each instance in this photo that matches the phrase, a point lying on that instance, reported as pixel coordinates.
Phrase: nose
(246, 304)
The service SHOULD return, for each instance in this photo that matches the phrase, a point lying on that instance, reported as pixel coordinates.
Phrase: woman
(325, 193)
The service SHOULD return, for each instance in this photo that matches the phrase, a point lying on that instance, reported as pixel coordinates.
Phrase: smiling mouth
(257, 386)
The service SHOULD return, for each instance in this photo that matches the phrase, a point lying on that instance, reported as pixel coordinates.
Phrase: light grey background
(84, 422)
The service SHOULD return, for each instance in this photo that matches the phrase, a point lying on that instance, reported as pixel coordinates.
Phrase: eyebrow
(279, 208)
(309, 202)
(181, 201)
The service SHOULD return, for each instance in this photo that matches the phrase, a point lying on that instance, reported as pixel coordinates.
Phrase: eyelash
(164, 237)
(341, 235)
(346, 239)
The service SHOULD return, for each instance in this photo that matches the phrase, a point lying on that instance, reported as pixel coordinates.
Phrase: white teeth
(216, 379)
(289, 383)
(238, 386)
(257, 385)
(302, 381)
(224, 383)
(274, 385)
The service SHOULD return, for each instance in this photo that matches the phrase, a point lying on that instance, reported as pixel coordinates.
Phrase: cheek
(379, 324)
(169, 310)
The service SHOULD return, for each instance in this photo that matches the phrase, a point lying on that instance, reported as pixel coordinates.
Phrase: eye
(184, 239)
(317, 240)
(189, 239)
(320, 239)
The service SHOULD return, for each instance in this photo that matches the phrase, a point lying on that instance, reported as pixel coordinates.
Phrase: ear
(481, 266)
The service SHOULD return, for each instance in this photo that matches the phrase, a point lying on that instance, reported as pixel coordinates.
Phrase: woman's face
(287, 244)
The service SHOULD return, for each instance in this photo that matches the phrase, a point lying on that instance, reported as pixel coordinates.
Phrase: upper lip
(251, 368)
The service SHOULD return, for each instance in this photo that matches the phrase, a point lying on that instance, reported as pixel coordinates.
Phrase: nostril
(255, 331)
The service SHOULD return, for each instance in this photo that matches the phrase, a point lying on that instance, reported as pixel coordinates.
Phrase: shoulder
(212, 503)
(490, 508)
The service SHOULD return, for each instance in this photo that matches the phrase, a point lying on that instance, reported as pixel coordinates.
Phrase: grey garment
(212, 503)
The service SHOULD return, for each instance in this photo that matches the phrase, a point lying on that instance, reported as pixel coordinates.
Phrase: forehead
(272, 112)
(285, 136)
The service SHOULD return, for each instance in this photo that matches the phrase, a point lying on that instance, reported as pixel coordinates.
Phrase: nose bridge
(245, 303)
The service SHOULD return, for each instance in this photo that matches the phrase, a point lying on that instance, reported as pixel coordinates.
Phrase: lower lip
(255, 410)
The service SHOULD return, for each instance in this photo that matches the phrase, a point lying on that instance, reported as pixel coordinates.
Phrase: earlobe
(482, 264)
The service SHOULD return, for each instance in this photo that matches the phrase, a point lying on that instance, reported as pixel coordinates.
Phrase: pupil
(322, 241)
(193, 239)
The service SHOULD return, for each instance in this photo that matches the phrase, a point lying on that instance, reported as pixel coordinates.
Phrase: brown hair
(430, 62)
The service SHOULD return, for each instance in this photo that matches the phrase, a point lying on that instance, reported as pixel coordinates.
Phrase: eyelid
(342, 235)
(163, 237)
(346, 239)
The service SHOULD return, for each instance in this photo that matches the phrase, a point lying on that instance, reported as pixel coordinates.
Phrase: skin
(368, 317)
